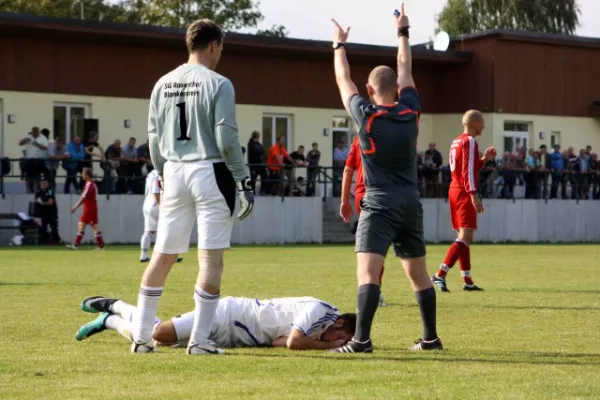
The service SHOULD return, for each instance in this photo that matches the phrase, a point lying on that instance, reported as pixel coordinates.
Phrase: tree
(274, 31)
(544, 16)
(229, 14)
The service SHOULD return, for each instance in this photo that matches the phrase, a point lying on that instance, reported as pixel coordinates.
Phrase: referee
(391, 208)
(194, 146)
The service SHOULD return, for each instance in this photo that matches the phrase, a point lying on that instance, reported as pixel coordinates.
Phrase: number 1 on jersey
(182, 122)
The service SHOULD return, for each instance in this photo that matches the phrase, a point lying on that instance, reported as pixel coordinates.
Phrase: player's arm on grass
(157, 159)
(341, 66)
(299, 341)
(226, 131)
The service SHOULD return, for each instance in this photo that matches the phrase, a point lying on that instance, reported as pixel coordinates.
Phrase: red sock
(381, 276)
(465, 264)
(99, 240)
(452, 256)
(78, 239)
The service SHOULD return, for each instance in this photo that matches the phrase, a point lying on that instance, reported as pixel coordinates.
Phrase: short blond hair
(472, 116)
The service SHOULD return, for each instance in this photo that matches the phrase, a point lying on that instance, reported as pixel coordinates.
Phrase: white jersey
(192, 118)
(244, 322)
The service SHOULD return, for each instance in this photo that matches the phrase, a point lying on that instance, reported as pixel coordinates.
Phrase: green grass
(532, 334)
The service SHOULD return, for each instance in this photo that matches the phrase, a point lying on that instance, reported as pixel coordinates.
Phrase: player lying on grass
(298, 323)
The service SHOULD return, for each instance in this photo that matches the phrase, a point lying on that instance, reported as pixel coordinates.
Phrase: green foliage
(544, 16)
(231, 15)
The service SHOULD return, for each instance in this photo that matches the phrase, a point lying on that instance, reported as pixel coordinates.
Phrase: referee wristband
(404, 32)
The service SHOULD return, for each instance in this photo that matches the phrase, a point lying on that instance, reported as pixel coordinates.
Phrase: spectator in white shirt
(36, 153)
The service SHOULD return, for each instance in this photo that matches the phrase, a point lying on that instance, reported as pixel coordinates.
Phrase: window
(274, 126)
(554, 138)
(516, 136)
(341, 130)
(69, 120)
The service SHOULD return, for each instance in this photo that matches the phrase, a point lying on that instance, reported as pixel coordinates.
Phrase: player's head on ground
(204, 41)
(343, 328)
(382, 85)
(473, 122)
(87, 174)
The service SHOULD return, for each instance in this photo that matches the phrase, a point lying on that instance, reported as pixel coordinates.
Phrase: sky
(309, 19)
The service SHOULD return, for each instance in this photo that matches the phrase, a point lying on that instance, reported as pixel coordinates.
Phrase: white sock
(204, 314)
(145, 315)
(120, 325)
(145, 243)
(124, 310)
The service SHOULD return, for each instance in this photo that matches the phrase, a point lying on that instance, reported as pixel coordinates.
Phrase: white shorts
(150, 218)
(203, 191)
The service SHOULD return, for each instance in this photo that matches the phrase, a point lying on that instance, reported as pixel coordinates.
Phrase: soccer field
(532, 334)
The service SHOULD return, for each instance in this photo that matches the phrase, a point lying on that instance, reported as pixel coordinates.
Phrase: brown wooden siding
(546, 79)
(130, 70)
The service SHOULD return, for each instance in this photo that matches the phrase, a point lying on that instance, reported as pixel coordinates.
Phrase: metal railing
(319, 181)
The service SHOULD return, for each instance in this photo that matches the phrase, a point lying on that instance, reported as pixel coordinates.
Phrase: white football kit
(195, 147)
(150, 207)
(244, 322)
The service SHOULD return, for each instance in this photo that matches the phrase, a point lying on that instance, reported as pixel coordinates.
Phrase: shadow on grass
(533, 358)
(19, 284)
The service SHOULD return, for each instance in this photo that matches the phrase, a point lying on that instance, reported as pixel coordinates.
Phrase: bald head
(383, 80)
(473, 122)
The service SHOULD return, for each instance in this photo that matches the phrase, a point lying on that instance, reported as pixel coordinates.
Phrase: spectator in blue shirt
(558, 173)
(74, 164)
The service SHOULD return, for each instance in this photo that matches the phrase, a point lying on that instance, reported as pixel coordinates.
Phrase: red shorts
(462, 211)
(357, 198)
(89, 217)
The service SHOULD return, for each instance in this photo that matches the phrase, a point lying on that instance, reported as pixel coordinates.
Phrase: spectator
(298, 160)
(130, 167)
(93, 150)
(340, 154)
(276, 160)
(434, 178)
(532, 183)
(545, 168)
(143, 155)
(74, 164)
(113, 157)
(36, 153)
(430, 173)
(299, 188)
(313, 158)
(57, 153)
(581, 171)
(487, 178)
(571, 161)
(46, 133)
(594, 175)
(49, 213)
(588, 151)
(256, 163)
(558, 173)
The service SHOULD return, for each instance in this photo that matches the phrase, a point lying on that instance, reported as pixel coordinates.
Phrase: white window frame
(288, 136)
(518, 134)
(68, 107)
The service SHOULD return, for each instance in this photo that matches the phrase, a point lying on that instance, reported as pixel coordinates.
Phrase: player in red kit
(463, 198)
(89, 216)
(354, 163)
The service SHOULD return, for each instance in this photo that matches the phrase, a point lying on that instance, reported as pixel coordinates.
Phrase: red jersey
(353, 161)
(90, 198)
(465, 163)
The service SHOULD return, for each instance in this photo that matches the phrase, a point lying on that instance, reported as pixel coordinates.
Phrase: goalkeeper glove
(246, 195)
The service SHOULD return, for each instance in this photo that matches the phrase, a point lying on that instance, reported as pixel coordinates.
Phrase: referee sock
(143, 319)
(204, 314)
(427, 306)
(367, 301)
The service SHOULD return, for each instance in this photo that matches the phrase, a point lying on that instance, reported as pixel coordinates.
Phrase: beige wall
(307, 124)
